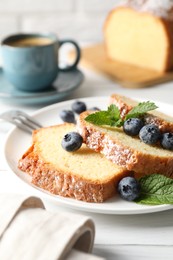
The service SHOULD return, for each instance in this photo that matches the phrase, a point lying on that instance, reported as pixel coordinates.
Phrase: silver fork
(21, 120)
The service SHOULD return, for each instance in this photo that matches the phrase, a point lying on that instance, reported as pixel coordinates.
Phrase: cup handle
(78, 55)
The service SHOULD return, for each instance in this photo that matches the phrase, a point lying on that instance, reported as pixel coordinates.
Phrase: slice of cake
(140, 32)
(83, 175)
(125, 104)
(124, 150)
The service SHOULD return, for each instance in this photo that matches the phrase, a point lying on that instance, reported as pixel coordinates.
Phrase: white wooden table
(148, 236)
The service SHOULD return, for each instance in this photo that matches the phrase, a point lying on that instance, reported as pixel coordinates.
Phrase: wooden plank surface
(129, 76)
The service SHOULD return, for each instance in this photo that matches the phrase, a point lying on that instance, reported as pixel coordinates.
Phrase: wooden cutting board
(129, 76)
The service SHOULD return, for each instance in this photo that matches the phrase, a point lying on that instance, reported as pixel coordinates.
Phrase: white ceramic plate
(18, 142)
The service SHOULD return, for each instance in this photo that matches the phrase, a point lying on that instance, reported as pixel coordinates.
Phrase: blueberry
(129, 188)
(132, 126)
(167, 141)
(149, 134)
(79, 107)
(72, 141)
(67, 116)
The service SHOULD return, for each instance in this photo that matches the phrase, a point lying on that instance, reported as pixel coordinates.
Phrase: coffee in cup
(30, 61)
(30, 42)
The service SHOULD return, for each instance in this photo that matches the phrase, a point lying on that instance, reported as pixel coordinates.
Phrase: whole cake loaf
(140, 32)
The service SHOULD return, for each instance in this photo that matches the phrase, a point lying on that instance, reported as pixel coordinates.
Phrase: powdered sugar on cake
(116, 154)
(160, 8)
(100, 142)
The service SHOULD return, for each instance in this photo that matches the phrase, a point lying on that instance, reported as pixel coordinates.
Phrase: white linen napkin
(28, 231)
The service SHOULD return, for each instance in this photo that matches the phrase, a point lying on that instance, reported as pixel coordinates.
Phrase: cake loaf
(83, 175)
(124, 150)
(140, 32)
(125, 104)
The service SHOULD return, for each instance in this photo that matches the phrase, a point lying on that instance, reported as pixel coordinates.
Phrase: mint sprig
(141, 109)
(112, 117)
(156, 189)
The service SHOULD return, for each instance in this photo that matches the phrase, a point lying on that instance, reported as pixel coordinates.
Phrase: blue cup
(30, 61)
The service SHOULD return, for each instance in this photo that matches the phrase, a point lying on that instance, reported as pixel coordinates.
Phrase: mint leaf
(110, 117)
(99, 118)
(114, 112)
(156, 189)
(141, 109)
